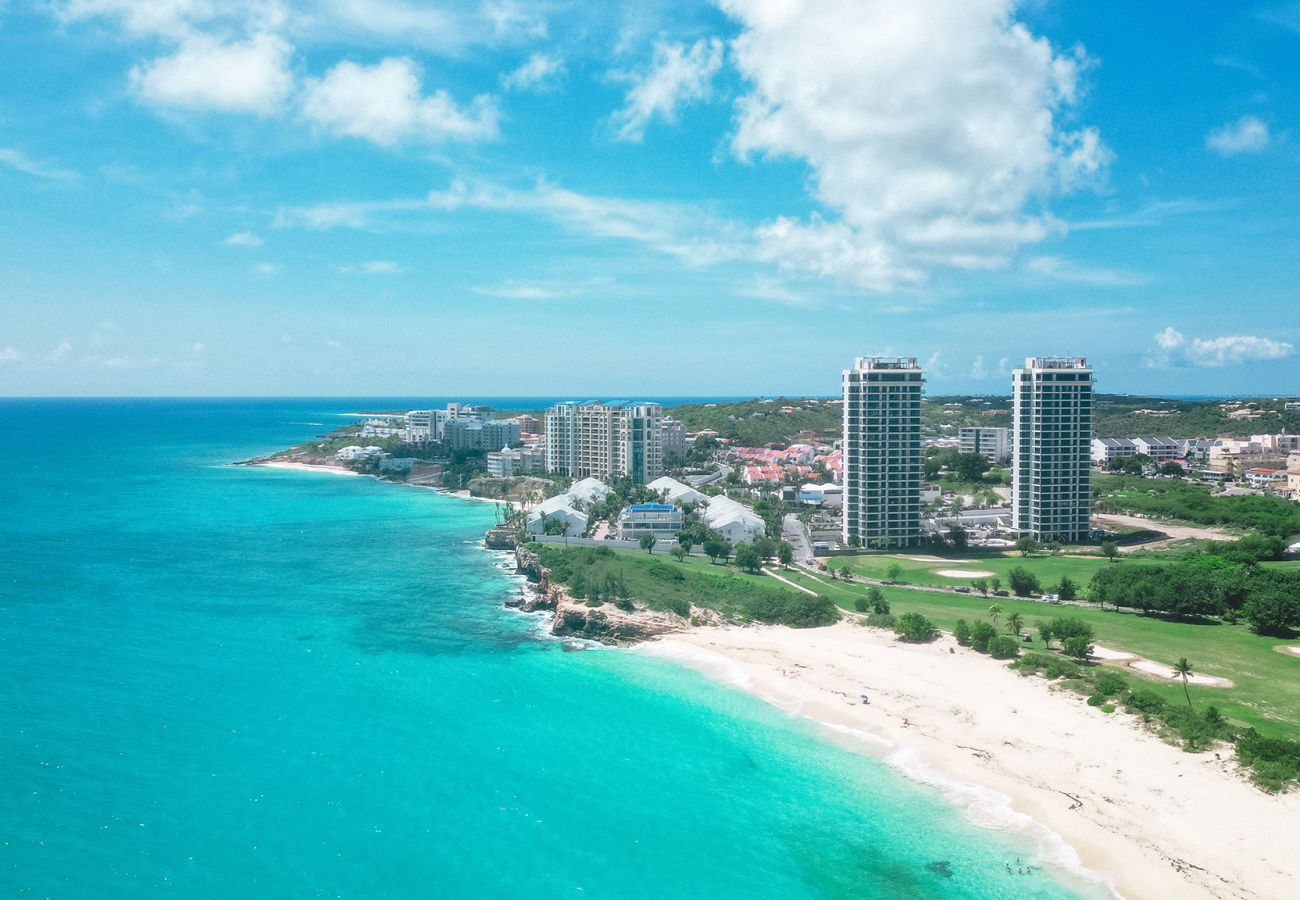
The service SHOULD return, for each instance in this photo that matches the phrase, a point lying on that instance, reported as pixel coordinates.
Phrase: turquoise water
(221, 681)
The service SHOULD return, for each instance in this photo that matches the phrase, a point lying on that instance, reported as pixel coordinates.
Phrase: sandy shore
(1145, 817)
(306, 467)
(343, 470)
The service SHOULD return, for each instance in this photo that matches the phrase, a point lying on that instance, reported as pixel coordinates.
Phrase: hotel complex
(1051, 474)
(605, 440)
(882, 452)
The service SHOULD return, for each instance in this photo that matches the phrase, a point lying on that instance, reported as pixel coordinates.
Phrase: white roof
(723, 511)
(588, 489)
(681, 493)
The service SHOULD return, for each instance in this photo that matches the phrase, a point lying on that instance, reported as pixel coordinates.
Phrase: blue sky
(546, 197)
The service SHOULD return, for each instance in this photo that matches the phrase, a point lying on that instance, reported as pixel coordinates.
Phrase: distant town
(885, 480)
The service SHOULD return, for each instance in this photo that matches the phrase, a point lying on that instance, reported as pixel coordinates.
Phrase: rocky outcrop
(604, 622)
(500, 539)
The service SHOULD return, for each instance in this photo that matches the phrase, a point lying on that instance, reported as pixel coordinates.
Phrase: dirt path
(1171, 532)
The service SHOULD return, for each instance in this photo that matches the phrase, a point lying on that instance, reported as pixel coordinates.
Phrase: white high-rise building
(882, 452)
(603, 440)
(993, 443)
(1051, 474)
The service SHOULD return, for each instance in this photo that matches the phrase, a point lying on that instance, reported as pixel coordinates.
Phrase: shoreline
(1109, 802)
(332, 469)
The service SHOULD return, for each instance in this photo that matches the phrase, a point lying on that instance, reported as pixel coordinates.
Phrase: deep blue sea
(242, 682)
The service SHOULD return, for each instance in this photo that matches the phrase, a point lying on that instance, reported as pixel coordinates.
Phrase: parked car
(1001, 594)
(962, 590)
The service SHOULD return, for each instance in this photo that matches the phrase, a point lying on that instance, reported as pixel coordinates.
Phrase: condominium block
(605, 440)
(882, 452)
(1051, 475)
(992, 443)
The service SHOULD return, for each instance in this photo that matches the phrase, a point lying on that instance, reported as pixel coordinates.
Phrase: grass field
(1048, 569)
(1266, 691)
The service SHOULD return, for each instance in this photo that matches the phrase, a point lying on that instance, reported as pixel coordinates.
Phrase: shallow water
(232, 681)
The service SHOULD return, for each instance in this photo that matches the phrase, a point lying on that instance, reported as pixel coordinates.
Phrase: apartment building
(605, 440)
(674, 437)
(993, 443)
(1051, 475)
(882, 452)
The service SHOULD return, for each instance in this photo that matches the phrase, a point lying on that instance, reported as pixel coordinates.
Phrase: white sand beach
(307, 467)
(1149, 819)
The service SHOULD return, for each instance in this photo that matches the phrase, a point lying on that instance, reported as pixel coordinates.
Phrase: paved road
(1172, 532)
(792, 531)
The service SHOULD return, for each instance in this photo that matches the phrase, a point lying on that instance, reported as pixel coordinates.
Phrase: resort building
(467, 434)
(663, 520)
(565, 514)
(882, 452)
(425, 425)
(992, 443)
(1051, 475)
(675, 491)
(507, 463)
(733, 520)
(605, 440)
(673, 436)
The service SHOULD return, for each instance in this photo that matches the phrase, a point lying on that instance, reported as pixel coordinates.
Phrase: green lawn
(1266, 690)
(1049, 569)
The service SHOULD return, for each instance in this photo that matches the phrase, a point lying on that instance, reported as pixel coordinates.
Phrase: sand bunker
(1111, 655)
(935, 559)
(964, 573)
(1162, 671)
(1290, 651)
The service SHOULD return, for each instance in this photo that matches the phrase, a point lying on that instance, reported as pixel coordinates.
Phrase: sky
(554, 197)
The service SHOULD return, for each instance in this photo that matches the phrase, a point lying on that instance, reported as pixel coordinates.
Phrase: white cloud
(932, 130)
(60, 353)
(1233, 349)
(1173, 348)
(528, 290)
(197, 347)
(1064, 270)
(11, 355)
(537, 73)
(374, 267)
(17, 159)
(1246, 135)
(384, 104)
(243, 239)
(676, 75)
(979, 369)
(266, 268)
(935, 367)
(207, 74)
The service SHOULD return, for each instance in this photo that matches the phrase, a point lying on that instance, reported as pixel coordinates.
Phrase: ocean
(221, 681)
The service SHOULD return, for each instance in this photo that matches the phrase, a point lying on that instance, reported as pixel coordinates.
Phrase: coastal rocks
(500, 539)
(611, 625)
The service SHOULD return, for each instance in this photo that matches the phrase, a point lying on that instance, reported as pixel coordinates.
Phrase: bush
(1275, 762)
(980, 635)
(1273, 603)
(861, 604)
(915, 628)
(1067, 627)
(881, 620)
(1144, 701)
(961, 631)
(1078, 647)
(1004, 646)
(876, 599)
(1111, 684)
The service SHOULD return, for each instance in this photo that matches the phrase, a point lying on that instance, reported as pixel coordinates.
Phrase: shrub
(861, 604)
(915, 627)
(1067, 627)
(1111, 684)
(1275, 762)
(1108, 707)
(1059, 667)
(980, 635)
(1004, 646)
(1144, 701)
(881, 620)
(876, 599)
(961, 631)
(1078, 647)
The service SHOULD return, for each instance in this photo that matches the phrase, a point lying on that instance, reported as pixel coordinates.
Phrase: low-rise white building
(354, 453)
(663, 520)
(733, 520)
(830, 496)
(564, 507)
(675, 491)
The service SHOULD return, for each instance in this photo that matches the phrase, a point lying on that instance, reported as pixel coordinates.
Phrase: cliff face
(605, 622)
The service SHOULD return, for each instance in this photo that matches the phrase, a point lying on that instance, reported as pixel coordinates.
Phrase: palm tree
(1184, 668)
(1015, 623)
(994, 611)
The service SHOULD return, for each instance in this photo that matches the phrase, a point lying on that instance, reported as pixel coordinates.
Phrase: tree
(1067, 590)
(861, 604)
(678, 552)
(685, 539)
(1078, 647)
(1044, 633)
(1023, 582)
(1271, 606)
(1054, 547)
(1110, 550)
(1026, 545)
(980, 635)
(876, 600)
(716, 548)
(1172, 469)
(970, 466)
(845, 573)
(765, 547)
(957, 537)
(748, 559)
(647, 542)
(981, 585)
(996, 583)
(785, 554)
(1015, 623)
(1184, 668)
(893, 571)
(994, 612)
(915, 628)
